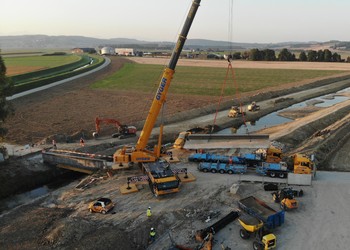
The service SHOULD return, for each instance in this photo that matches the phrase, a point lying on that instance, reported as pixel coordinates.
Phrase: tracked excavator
(123, 131)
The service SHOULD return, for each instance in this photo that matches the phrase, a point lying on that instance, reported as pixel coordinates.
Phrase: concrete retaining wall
(299, 179)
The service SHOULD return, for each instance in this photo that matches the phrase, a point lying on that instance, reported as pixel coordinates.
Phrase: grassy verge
(40, 78)
(39, 61)
(205, 80)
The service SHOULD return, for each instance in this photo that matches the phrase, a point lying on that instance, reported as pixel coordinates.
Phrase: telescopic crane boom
(139, 153)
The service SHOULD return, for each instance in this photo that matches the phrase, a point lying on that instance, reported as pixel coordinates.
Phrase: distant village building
(83, 50)
(124, 52)
(107, 51)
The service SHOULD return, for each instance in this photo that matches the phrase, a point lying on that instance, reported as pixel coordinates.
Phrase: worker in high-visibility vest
(149, 213)
(152, 235)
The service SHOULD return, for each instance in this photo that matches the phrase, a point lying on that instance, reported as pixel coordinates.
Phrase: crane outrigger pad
(217, 141)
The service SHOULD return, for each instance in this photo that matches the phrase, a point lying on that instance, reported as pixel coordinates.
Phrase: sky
(249, 21)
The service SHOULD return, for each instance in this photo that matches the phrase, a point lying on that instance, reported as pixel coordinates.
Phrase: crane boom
(139, 153)
(168, 73)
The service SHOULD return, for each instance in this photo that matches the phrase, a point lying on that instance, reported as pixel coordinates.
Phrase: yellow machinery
(235, 111)
(273, 154)
(253, 107)
(162, 180)
(286, 198)
(251, 225)
(139, 153)
(180, 140)
(302, 164)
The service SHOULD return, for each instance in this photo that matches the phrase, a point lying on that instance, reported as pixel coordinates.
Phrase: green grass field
(40, 61)
(205, 80)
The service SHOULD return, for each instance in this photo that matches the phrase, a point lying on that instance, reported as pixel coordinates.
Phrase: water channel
(274, 118)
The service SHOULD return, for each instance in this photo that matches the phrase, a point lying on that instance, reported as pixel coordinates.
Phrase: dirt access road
(60, 219)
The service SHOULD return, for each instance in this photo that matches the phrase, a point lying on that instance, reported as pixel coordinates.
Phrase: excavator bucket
(218, 141)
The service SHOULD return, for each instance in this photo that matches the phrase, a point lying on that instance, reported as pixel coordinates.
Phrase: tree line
(285, 55)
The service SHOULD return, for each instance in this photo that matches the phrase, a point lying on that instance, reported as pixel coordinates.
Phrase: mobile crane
(139, 153)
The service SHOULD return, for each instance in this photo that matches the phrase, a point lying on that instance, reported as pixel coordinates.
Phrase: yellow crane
(139, 153)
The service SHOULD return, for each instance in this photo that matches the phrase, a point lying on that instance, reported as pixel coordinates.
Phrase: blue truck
(273, 169)
(222, 168)
(260, 210)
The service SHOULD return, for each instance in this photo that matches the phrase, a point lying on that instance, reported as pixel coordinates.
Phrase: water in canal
(274, 119)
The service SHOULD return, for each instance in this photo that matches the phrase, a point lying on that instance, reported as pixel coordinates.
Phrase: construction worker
(54, 144)
(152, 235)
(82, 142)
(149, 214)
(230, 160)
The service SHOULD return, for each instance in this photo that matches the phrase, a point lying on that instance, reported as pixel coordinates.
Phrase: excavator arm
(139, 153)
(98, 122)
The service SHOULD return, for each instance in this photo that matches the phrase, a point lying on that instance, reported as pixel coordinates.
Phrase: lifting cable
(230, 68)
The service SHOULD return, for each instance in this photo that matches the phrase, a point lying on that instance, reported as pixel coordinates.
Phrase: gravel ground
(60, 220)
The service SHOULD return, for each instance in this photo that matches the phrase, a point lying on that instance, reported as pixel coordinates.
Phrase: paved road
(105, 64)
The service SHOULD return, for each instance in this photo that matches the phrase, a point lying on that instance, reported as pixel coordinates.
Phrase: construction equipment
(124, 131)
(286, 198)
(160, 177)
(139, 153)
(302, 164)
(236, 111)
(273, 169)
(206, 235)
(183, 136)
(260, 210)
(273, 154)
(264, 240)
(162, 180)
(253, 107)
(180, 140)
(222, 168)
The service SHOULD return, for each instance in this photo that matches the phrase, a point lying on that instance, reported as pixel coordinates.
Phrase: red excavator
(124, 131)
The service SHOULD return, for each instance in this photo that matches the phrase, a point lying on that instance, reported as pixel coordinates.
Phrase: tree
(237, 56)
(327, 55)
(312, 56)
(302, 56)
(269, 55)
(255, 55)
(6, 89)
(320, 56)
(336, 57)
(286, 55)
(245, 55)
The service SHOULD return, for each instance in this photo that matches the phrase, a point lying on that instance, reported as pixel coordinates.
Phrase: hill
(68, 42)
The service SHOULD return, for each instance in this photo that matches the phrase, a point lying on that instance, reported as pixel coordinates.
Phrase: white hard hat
(149, 207)
(152, 229)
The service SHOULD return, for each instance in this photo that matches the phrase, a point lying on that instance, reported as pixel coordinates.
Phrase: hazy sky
(252, 21)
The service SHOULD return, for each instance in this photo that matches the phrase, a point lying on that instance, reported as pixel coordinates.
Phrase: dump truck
(222, 168)
(263, 239)
(260, 210)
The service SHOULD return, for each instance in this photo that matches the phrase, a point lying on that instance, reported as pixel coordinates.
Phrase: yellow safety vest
(152, 233)
(149, 213)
